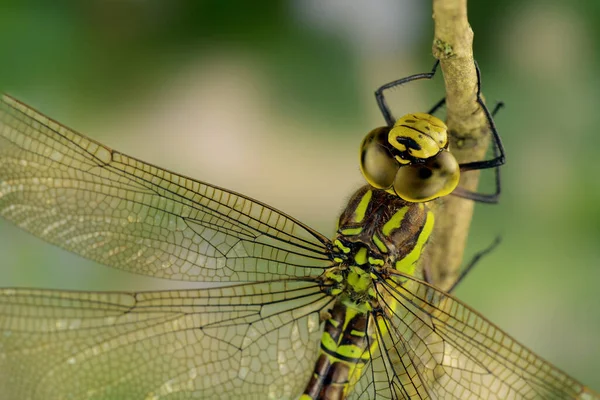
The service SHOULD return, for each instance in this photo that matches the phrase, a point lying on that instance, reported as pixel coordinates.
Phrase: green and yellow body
(387, 334)
(376, 233)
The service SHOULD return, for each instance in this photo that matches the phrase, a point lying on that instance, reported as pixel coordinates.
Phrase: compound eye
(377, 164)
(436, 177)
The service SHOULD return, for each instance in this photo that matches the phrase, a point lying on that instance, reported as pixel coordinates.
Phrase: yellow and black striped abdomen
(346, 347)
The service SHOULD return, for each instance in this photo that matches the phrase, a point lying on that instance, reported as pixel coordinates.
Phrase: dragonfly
(300, 315)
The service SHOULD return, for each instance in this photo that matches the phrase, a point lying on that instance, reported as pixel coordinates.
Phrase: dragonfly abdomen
(346, 346)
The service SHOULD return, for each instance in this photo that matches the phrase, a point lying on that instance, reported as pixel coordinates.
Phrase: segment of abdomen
(346, 347)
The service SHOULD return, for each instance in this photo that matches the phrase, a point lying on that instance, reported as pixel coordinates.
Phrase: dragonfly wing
(440, 348)
(391, 374)
(376, 381)
(251, 341)
(87, 198)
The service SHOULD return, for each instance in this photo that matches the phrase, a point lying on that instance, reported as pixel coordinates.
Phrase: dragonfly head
(410, 159)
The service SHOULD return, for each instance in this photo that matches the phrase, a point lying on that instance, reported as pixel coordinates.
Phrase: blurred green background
(271, 99)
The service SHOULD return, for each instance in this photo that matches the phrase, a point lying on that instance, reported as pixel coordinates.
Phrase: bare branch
(453, 46)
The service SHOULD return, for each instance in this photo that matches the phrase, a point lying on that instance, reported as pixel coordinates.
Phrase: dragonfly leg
(498, 148)
(380, 96)
(498, 152)
(437, 106)
(474, 260)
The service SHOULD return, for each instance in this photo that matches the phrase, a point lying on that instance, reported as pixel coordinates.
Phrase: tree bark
(469, 137)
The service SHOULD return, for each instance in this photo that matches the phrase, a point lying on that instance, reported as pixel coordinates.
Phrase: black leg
(437, 106)
(473, 262)
(480, 197)
(498, 151)
(380, 97)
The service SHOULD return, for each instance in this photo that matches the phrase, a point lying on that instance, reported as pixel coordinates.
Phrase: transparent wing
(250, 341)
(104, 205)
(432, 346)
(375, 382)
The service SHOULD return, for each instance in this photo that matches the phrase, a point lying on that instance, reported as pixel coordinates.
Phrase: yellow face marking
(394, 222)
(351, 231)
(361, 208)
(401, 160)
(380, 245)
(409, 262)
(427, 134)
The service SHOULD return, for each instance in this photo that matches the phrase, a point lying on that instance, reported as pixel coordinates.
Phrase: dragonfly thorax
(355, 276)
(378, 230)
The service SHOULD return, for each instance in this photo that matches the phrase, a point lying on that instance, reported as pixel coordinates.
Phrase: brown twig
(453, 46)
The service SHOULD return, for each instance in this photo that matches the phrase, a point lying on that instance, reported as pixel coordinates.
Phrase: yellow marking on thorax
(361, 256)
(406, 265)
(351, 231)
(409, 262)
(361, 208)
(380, 245)
(333, 274)
(394, 222)
(360, 281)
(343, 248)
(376, 261)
